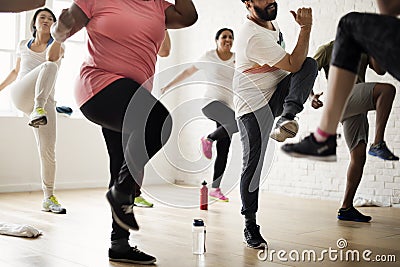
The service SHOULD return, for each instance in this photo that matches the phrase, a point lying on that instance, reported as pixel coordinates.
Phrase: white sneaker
(37, 117)
(51, 204)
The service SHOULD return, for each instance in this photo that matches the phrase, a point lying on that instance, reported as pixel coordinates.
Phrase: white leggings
(36, 89)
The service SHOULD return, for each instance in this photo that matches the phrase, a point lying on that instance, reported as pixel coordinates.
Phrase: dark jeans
(255, 127)
(373, 34)
(226, 127)
(135, 126)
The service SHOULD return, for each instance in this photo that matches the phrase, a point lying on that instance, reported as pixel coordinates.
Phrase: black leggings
(135, 126)
(373, 34)
(226, 127)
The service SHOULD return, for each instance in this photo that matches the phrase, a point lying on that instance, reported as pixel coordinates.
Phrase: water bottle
(199, 237)
(204, 196)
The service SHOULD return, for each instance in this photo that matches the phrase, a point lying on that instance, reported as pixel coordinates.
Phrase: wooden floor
(81, 237)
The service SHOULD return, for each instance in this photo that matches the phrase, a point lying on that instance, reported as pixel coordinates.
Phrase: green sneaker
(51, 204)
(141, 202)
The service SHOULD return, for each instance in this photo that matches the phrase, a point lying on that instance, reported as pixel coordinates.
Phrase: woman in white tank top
(32, 92)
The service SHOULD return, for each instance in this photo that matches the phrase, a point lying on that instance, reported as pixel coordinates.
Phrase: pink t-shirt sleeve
(86, 6)
(165, 4)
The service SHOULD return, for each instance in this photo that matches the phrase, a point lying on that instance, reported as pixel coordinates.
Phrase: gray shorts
(354, 117)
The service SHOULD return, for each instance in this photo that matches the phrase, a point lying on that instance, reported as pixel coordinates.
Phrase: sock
(321, 136)
(120, 245)
(250, 218)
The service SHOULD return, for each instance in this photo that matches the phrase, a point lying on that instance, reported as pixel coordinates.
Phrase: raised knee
(51, 66)
(311, 65)
(391, 90)
(352, 16)
(388, 91)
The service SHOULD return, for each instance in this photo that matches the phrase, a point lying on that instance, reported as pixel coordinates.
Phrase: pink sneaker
(206, 145)
(217, 194)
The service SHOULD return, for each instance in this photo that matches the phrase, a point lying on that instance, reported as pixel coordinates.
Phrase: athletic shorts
(354, 117)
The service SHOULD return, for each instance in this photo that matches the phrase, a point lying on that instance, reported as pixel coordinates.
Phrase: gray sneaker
(51, 204)
(284, 129)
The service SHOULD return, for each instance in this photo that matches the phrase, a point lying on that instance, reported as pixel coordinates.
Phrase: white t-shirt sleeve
(19, 48)
(202, 62)
(263, 50)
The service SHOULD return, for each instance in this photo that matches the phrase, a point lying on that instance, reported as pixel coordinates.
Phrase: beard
(266, 14)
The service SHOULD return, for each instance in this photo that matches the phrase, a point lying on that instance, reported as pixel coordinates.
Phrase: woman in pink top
(114, 92)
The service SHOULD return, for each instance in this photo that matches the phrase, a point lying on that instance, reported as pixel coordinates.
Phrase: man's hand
(303, 17)
(315, 102)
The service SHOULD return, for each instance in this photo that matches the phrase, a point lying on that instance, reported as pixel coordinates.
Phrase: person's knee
(311, 65)
(50, 67)
(358, 153)
(347, 19)
(389, 91)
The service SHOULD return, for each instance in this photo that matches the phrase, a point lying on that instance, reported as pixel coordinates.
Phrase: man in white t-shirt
(268, 82)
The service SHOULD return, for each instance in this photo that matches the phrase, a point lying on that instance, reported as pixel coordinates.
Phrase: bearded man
(268, 82)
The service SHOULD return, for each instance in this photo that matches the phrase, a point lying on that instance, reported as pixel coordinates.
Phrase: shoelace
(54, 200)
(254, 232)
(40, 111)
(135, 249)
(127, 209)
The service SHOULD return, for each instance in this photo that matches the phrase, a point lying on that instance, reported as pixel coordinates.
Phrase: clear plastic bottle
(199, 237)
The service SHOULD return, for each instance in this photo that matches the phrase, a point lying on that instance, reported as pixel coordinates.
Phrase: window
(9, 41)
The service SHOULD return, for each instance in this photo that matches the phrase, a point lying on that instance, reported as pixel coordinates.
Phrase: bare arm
(180, 77)
(55, 52)
(11, 76)
(70, 21)
(293, 62)
(182, 14)
(389, 7)
(20, 5)
(165, 48)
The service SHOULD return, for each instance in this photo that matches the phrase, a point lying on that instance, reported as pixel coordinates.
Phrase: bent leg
(383, 98)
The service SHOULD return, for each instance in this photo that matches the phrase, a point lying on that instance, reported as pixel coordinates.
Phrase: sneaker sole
(119, 221)
(143, 206)
(352, 220)
(38, 122)
(331, 158)
(218, 199)
(63, 211)
(262, 245)
(133, 261)
(289, 130)
(378, 156)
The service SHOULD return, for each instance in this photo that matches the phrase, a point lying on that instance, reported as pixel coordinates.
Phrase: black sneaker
(284, 129)
(310, 148)
(253, 238)
(134, 255)
(122, 212)
(351, 214)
